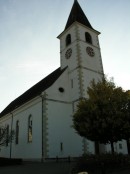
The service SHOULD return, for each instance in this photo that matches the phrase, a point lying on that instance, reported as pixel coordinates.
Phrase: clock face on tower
(90, 51)
(68, 53)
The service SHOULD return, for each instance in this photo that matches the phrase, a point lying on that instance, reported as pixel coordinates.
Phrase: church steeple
(79, 45)
(78, 15)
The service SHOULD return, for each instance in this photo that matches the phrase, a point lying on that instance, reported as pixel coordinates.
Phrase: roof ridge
(34, 91)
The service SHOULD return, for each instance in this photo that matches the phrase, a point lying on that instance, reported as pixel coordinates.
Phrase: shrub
(101, 163)
(8, 161)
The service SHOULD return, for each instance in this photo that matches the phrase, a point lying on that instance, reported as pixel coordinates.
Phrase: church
(42, 116)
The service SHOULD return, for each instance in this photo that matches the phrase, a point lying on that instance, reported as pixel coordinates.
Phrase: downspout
(42, 159)
(11, 137)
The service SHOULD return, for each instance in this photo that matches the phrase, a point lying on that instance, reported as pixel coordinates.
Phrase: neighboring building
(42, 116)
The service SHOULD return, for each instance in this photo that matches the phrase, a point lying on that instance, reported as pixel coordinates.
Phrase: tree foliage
(105, 115)
(5, 136)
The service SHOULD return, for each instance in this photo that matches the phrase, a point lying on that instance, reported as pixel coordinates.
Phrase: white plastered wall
(24, 149)
(59, 112)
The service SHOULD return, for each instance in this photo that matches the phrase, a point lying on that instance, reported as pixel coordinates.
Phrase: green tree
(126, 123)
(101, 116)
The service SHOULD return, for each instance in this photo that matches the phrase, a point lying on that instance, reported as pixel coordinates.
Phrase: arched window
(68, 39)
(0, 133)
(88, 37)
(17, 132)
(30, 128)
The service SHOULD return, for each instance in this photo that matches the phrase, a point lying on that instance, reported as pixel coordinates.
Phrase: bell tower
(80, 51)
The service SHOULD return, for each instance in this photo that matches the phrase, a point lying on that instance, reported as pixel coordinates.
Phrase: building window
(0, 133)
(88, 37)
(68, 39)
(61, 146)
(120, 146)
(72, 83)
(7, 135)
(61, 89)
(30, 128)
(17, 132)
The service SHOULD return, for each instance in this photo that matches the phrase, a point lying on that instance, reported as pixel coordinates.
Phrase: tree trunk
(112, 147)
(128, 146)
(97, 151)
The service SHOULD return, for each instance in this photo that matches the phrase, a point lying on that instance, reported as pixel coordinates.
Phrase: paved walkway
(44, 168)
(38, 168)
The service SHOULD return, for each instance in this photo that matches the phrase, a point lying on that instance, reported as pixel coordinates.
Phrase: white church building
(42, 116)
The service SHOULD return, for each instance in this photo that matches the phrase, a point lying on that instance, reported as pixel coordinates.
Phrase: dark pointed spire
(78, 15)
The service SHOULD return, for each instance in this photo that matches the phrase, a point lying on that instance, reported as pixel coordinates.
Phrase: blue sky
(29, 49)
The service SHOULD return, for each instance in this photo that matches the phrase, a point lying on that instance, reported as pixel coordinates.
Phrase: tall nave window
(17, 132)
(30, 128)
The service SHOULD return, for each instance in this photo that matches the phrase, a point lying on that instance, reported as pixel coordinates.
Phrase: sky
(30, 50)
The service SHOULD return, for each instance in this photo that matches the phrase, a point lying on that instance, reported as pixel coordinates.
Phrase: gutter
(11, 137)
